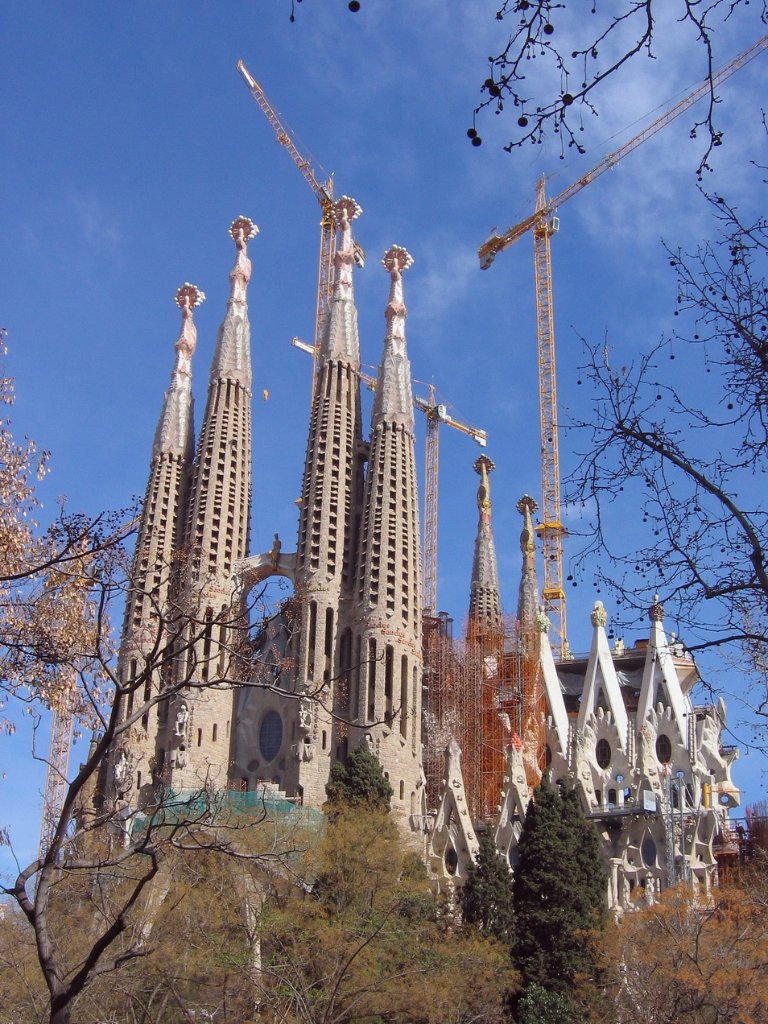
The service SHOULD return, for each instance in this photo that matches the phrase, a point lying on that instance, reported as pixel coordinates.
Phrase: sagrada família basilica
(349, 659)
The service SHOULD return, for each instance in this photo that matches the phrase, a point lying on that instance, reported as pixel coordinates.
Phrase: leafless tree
(559, 55)
(677, 440)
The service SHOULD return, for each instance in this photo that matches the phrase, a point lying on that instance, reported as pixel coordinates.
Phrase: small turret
(484, 599)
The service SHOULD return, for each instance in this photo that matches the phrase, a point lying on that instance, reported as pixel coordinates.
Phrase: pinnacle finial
(242, 230)
(394, 395)
(527, 506)
(599, 615)
(397, 259)
(187, 298)
(656, 611)
(483, 466)
(345, 210)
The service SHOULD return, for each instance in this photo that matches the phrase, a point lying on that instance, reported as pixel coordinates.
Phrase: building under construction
(463, 727)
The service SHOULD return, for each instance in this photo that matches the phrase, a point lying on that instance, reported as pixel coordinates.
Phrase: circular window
(603, 753)
(270, 735)
(663, 749)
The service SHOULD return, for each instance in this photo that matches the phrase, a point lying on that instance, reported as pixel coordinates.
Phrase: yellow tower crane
(436, 414)
(543, 223)
(323, 191)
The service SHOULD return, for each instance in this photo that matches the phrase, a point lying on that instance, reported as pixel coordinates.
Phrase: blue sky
(131, 143)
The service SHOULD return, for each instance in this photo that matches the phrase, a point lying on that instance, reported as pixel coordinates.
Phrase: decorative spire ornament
(394, 395)
(484, 599)
(174, 434)
(340, 340)
(232, 359)
(528, 596)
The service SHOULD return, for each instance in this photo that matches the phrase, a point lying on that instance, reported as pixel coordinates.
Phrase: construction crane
(543, 223)
(323, 191)
(436, 413)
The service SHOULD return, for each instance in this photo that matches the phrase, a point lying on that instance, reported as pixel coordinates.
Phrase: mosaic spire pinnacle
(341, 340)
(232, 359)
(394, 396)
(484, 600)
(174, 429)
(528, 597)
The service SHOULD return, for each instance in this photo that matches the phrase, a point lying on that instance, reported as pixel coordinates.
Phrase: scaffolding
(481, 693)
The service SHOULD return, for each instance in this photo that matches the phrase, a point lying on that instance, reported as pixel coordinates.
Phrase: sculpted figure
(182, 718)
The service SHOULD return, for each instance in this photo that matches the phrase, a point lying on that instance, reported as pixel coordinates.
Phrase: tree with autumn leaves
(690, 959)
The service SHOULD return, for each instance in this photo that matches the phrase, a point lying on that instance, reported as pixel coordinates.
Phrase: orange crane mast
(543, 223)
(323, 191)
(436, 414)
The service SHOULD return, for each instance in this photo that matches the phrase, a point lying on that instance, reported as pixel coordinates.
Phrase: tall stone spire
(219, 509)
(532, 626)
(175, 429)
(528, 594)
(388, 690)
(484, 598)
(484, 737)
(329, 525)
(159, 537)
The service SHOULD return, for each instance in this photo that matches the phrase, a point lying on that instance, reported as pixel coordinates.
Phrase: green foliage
(559, 899)
(540, 1006)
(486, 896)
(359, 782)
(368, 943)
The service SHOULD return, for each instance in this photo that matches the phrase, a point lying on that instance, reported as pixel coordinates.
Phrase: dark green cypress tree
(559, 899)
(486, 896)
(591, 877)
(359, 781)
